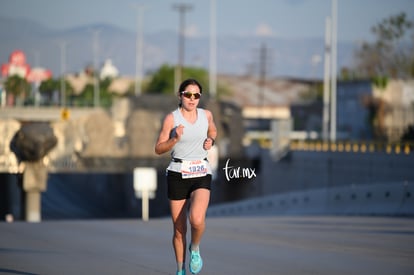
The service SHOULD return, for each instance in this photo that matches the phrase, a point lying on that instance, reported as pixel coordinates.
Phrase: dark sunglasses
(190, 94)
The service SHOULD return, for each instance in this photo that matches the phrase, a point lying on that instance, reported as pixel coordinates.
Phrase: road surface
(231, 245)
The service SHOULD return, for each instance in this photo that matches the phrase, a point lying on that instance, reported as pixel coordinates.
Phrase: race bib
(193, 168)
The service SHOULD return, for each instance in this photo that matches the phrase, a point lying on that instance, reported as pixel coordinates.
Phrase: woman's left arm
(211, 131)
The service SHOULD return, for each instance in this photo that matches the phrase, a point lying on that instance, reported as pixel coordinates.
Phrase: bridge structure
(314, 177)
(22, 115)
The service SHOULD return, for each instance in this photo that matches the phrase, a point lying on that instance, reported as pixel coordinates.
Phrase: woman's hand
(208, 143)
(179, 130)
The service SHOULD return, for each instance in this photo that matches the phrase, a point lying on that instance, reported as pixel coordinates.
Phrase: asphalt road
(231, 245)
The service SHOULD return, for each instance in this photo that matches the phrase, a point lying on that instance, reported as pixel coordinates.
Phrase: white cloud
(264, 29)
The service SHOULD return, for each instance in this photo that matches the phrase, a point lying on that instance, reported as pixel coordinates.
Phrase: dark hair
(184, 85)
(187, 82)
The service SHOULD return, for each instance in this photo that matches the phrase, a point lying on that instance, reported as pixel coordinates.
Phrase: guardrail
(352, 147)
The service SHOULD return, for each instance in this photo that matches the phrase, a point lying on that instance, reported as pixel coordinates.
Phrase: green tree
(392, 52)
(162, 81)
(86, 97)
(104, 93)
(47, 88)
(18, 87)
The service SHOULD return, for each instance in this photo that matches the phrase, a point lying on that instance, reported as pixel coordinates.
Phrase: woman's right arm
(165, 143)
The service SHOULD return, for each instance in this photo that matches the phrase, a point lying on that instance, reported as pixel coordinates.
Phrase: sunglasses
(190, 94)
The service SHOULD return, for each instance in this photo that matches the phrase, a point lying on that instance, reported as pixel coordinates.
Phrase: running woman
(188, 132)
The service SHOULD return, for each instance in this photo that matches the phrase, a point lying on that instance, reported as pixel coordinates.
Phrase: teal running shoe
(181, 272)
(196, 263)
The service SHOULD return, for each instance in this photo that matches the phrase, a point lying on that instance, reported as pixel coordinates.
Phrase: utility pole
(36, 84)
(139, 50)
(62, 45)
(326, 90)
(182, 9)
(263, 67)
(213, 50)
(96, 96)
(262, 77)
(333, 75)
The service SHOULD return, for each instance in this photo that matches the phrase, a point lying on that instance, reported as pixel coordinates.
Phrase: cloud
(264, 29)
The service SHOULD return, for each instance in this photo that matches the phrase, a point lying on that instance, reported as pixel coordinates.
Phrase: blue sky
(283, 18)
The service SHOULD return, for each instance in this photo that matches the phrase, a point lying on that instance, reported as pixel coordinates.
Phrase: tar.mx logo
(233, 172)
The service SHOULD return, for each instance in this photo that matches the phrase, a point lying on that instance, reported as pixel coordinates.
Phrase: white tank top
(190, 145)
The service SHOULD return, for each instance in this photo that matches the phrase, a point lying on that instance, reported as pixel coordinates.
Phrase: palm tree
(17, 88)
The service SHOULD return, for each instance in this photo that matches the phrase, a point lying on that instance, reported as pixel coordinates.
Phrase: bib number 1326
(193, 168)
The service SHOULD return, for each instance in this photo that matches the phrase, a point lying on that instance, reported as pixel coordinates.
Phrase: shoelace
(195, 256)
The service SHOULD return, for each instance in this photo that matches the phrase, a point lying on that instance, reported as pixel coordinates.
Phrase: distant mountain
(235, 55)
(19, 28)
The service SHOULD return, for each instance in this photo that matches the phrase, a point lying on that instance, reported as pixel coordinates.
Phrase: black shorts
(179, 188)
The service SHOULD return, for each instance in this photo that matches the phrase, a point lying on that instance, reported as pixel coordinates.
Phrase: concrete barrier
(407, 205)
(395, 198)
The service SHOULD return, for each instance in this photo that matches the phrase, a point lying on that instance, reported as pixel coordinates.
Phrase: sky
(278, 18)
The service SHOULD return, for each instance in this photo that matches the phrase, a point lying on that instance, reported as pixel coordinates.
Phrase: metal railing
(353, 146)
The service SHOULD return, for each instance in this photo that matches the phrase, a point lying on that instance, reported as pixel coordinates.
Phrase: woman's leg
(197, 214)
(179, 218)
